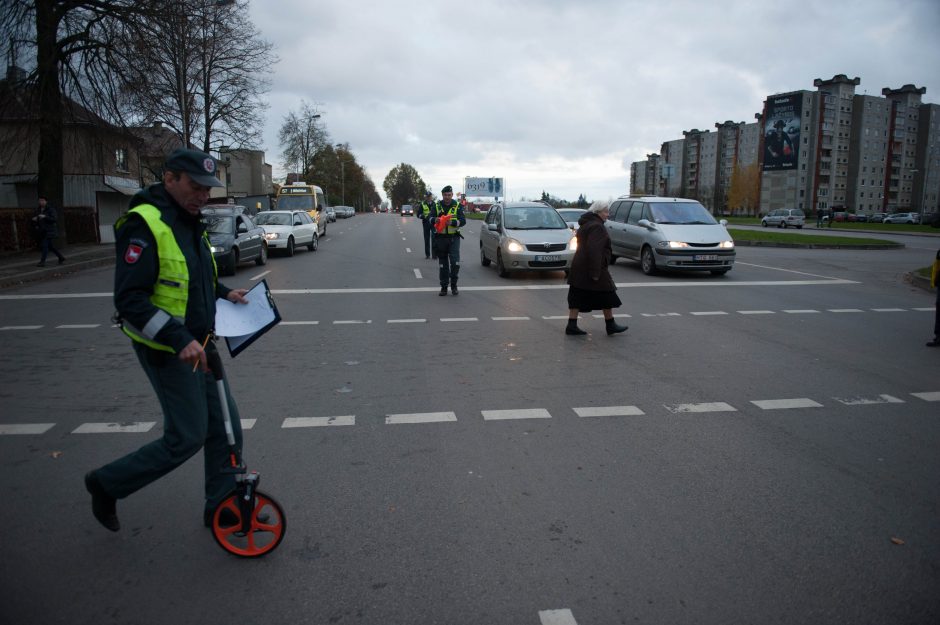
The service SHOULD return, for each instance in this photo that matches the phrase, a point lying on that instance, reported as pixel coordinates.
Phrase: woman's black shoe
(613, 328)
(572, 329)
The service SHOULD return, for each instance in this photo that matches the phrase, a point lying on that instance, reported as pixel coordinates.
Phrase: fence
(79, 225)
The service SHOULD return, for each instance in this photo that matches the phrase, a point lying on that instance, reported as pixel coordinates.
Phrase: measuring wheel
(248, 529)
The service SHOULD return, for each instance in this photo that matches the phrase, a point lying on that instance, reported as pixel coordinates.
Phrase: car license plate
(547, 259)
(706, 257)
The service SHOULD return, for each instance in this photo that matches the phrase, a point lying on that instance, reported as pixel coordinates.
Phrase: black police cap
(198, 165)
(447, 189)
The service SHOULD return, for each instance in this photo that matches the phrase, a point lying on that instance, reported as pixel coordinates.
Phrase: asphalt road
(757, 448)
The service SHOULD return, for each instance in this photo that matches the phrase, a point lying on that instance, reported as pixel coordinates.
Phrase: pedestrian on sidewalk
(165, 289)
(935, 283)
(590, 285)
(819, 218)
(46, 230)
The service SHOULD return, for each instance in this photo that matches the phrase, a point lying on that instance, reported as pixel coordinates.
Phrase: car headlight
(672, 244)
(573, 244)
(216, 250)
(726, 245)
(270, 236)
(514, 246)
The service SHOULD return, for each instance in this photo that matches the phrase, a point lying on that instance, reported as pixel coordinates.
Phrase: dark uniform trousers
(192, 419)
(447, 247)
(426, 226)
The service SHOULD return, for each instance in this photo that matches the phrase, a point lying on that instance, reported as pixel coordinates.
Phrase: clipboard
(242, 324)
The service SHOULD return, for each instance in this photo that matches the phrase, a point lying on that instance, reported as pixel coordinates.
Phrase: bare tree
(301, 136)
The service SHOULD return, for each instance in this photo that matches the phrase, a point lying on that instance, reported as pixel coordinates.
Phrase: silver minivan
(666, 233)
(783, 217)
(526, 236)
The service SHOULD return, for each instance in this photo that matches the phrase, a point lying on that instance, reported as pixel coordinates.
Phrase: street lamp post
(342, 170)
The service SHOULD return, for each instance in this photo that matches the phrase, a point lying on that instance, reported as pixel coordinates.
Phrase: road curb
(41, 275)
(920, 281)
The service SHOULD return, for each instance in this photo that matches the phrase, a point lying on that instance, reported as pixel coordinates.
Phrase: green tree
(403, 185)
(301, 137)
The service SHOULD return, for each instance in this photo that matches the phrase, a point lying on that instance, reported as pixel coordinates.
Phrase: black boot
(103, 505)
(443, 291)
(613, 328)
(453, 288)
(573, 328)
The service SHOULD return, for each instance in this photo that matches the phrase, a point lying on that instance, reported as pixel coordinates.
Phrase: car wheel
(763, 222)
(290, 246)
(799, 227)
(263, 256)
(567, 273)
(647, 261)
(783, 224)
(500, 267)
(314, 243)
(910, 222)
(231, 263)
(483, 259)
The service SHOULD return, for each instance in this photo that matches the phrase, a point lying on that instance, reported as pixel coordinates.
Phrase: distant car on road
(571, 216)
(407, 209)
(285, 230)
(234, 237)
(902, 218)
(783, 217)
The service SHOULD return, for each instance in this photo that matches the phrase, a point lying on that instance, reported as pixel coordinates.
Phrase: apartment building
(672, 159)
(868, 153)
(902, 145)
(927, 177)
(638, 178)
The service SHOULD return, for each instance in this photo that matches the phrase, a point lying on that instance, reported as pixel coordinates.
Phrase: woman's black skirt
(586, 301)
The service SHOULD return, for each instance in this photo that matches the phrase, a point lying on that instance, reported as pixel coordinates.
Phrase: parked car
(840, 216)
(330, 214)
(344, 212)
(526, 236)
(902, 218)
(234, 237)
(407, 209)
(285, 230)
(876, 218)
(858, 217)
(784, 217)
(670, 234)
(571, 216)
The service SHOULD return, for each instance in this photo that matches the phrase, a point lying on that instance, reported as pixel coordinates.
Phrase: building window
(120, 160)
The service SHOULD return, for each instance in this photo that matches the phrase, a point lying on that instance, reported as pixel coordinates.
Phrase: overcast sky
(564, 95)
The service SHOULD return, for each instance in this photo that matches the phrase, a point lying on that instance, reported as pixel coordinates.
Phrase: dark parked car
(234, 237)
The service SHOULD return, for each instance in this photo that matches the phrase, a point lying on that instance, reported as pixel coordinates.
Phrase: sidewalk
(20, 268)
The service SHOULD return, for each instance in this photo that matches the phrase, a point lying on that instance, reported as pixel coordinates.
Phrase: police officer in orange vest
(448, 217)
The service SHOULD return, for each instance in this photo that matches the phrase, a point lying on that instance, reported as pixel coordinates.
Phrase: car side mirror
(723, 222)
(492, 227)
(645, 223)
(242, 227)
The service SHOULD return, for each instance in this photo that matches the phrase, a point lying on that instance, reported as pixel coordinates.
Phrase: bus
(306, 197)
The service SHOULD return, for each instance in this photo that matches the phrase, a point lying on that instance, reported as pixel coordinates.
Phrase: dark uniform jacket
(47, 227)
(137, 267)
(438, 208)
(589, 266)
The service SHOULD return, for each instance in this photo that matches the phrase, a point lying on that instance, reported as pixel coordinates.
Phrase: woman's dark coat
(589, 266)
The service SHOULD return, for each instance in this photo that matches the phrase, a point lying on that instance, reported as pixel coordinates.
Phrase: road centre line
(616, 316)
(260, 275)
(514, 287)
(339, 322)
(888, 310)
(408, 249)
(105, 428)
(924, 309)
(845, 310)
(808, 311)
(20, 327)
(417, 273)
(25, 428)
(785, 404)
(449, 319)
(299, 323)
(313, 422)
(708, 312)
(608, 411)
(719, 406)
(420, 417)
(247, 424)
(510, 318)
(931, 396)
(557, 617)
(802, 273)
(866, 401)
(525, 413)
(78, 326)
(407, 321)
(756, 312)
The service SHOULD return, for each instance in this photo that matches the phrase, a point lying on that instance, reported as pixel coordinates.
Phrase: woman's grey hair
(599, 205)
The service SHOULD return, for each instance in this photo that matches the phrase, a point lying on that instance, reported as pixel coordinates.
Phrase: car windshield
(681, 213)
(273, 219)
(295, 202)
(571, 215)
(533, 218)
(219, 224)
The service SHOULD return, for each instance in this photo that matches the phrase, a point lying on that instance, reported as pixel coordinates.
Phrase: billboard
(782, 132)
(483, 187)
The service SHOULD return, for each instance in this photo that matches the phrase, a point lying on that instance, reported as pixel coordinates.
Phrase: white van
(667, 233)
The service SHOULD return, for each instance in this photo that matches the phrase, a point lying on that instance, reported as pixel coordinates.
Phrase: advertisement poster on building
(782, 132)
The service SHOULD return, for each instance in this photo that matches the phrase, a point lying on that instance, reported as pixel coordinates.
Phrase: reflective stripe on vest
(425, 209)
(171, 291)
(452, 213)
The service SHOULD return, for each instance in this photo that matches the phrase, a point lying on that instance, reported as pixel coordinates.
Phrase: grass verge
(788, 237)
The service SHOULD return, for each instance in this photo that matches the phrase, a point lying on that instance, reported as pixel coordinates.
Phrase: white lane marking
(446, 319)
(756, 312)
(417, 273)
(103, 428)
(931, 396)
(672, 314)
(404, 239)
(260, 275)
(557, 617)
(247, 424)
(617, 316)
(802, 273)
(299, 323)
(420, 417)
(20, 328)
(608, 411)
(514, 287)
(867, 401)
(889, 309)
(555, 317)
(510, 318)
(719, 406)
(785, 404)
(408, 249)
(924, 309)
(525, 413)
(315, 422)
(350, 321)
(845, 310)
(78, 326)
(407, 321)
(708, 312)
(25, 428)
(808, 311)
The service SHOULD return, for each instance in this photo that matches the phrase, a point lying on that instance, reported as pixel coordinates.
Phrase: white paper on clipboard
(245, 319)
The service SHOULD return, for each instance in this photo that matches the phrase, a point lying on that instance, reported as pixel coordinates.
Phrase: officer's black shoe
(103, 506)
(443, 291)
(40, 264)
(453, 289)
(62, 260)
(935, 342)
(227, 518)
(613, 328)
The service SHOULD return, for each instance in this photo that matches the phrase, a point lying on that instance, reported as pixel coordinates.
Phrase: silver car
(526, 236)
(571, 216)
(783, 217)
(902, 218)
(670, 234)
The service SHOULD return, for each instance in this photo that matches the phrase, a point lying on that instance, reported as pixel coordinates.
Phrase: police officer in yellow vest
(165, 287)
(424, 214)
(447, 217)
